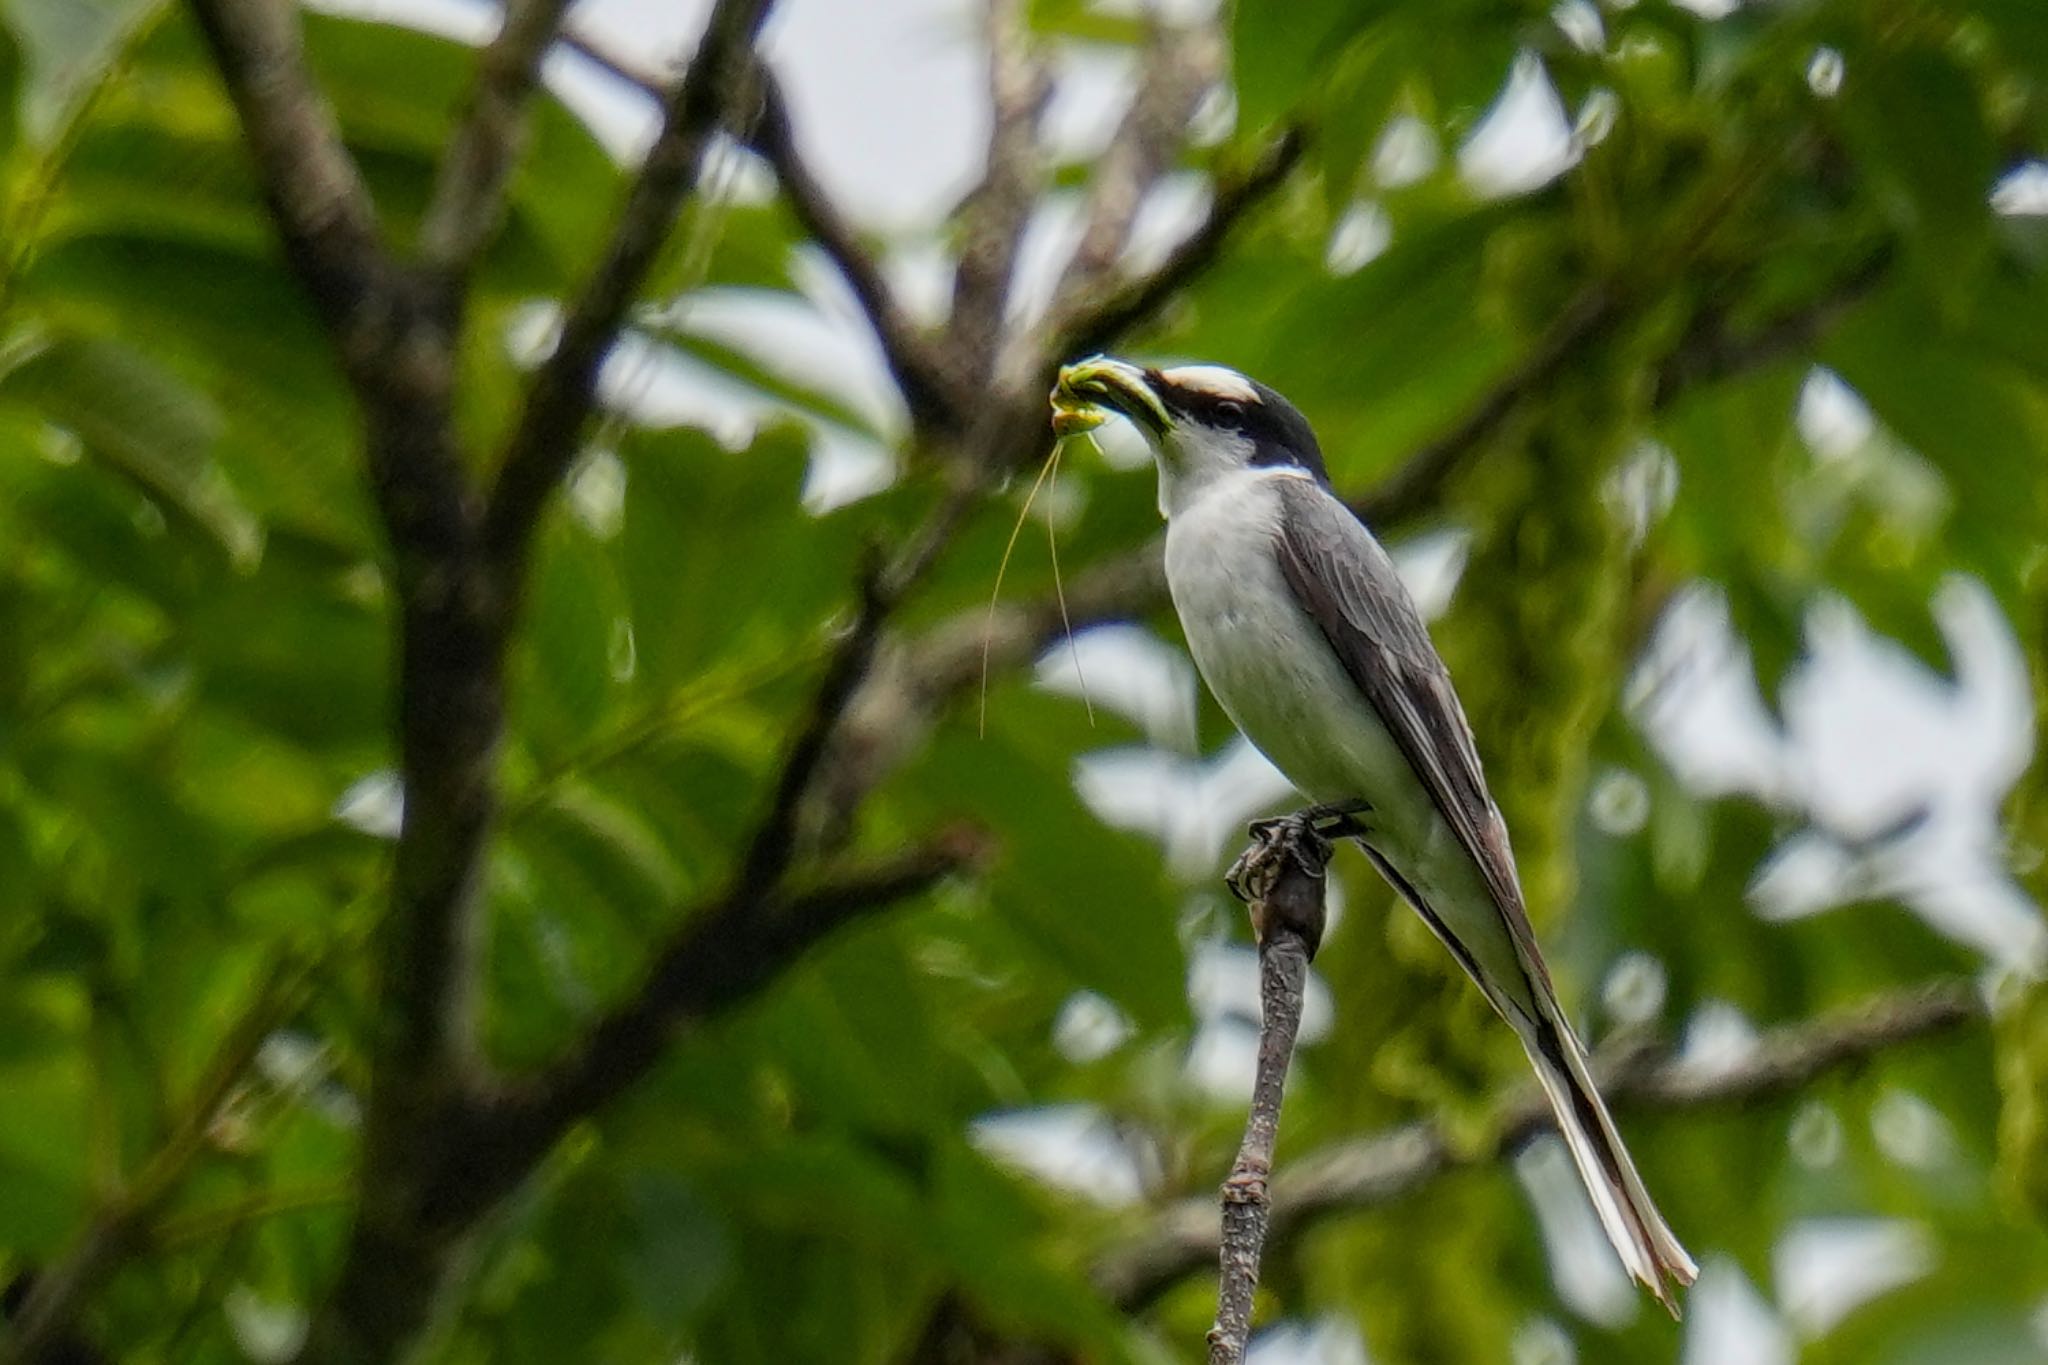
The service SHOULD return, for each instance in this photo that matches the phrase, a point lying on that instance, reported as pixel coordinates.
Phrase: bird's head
(1202, 421)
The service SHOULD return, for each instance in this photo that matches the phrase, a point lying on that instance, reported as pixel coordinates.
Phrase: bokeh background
(1691, 357)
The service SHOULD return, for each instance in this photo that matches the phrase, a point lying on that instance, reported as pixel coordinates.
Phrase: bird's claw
(1330, 820)
(1251, 876)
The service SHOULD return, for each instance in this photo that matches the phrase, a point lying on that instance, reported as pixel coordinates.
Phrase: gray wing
(1348, 586)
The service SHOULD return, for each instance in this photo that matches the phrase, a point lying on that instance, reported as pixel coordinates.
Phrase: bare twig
(774, 844)
(999, 209)
(1283, 874)
(916, 366)
(563, 389)
(1094, 324)
(1178, 66)
(647, 82)
(1367, 1172)
(469, 189)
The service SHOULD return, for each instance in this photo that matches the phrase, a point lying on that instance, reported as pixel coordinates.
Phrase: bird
(1304, 632)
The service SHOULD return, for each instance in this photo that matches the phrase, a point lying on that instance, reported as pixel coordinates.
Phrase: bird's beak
(1090, 390)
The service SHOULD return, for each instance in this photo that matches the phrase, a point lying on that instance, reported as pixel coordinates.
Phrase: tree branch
(563, 389)
(1178, 66)
(722, 955)
(316, 194)
(469, 188)
(57, 1293)
(1370, 1171)
(916, 366)
(1714, 348)
(997, 212)
(1091, 326)
(612, 64)
(1282, 874)
(775, 841)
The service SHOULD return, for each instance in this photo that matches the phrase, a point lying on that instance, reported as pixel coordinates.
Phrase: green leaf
(1279, 48)
(717, 555)
(142, 423)
(1917, 124)
(11, 87)
(1981, 426)
(44, 1147)
(1093, 901)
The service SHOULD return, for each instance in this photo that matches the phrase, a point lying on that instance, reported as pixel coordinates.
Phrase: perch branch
(1370, 1171)
(1282, 874)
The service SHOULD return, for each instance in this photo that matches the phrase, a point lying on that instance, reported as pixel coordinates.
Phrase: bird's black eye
(1229, 413)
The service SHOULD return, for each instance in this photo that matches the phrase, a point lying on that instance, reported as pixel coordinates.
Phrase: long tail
(1640, 1235)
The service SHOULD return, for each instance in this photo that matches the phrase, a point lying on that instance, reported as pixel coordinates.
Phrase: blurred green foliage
(196, 678)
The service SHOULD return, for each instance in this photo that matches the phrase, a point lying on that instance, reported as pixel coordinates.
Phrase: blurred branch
(775, 841)
(1176, 68)
(722, 955)
(918, 369)
(469, 188)
(315, 192)
(610, 62)
(1282, 874)
(725, 953)
(1370, 1171)
(122, 1225)
(1716, 348)
(1417, 485)
(998, 211)
(1092, 325)
(563, 389)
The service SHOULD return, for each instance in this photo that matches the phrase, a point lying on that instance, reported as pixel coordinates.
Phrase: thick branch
(912, 360)
(563, 389)
(1376, 1170)
(469, 190)
(315, 192)
(1283, 873)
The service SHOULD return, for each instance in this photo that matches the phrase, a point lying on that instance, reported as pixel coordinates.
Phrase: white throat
(1192, 460)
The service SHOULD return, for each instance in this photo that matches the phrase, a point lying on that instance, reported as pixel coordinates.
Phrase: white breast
(1268, 664)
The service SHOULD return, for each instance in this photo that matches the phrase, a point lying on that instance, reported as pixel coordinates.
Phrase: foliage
(196, 750)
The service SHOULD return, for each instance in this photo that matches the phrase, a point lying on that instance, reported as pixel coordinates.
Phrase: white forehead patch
(1214, 380)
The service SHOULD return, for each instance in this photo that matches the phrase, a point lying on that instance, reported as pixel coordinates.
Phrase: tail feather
(1638, 1231)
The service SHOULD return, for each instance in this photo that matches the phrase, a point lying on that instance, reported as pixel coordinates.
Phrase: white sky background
(888, 103)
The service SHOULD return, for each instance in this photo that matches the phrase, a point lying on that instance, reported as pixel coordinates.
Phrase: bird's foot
(1329, 820)
(1306, 833)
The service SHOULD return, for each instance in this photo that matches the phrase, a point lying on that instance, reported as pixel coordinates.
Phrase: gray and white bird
(1309, 640)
